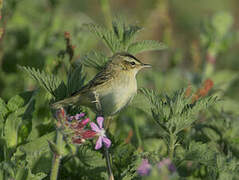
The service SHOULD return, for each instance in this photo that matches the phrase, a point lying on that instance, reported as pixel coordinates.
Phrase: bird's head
(127, 63)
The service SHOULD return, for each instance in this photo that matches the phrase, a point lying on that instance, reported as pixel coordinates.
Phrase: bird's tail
(63, 103)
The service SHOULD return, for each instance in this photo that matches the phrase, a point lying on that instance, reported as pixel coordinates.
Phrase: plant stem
(107, 159)
(56, 156)
(107, 155)
(172, 142)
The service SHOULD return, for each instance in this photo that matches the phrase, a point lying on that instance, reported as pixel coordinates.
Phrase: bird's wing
(84, 95)
(100, 79)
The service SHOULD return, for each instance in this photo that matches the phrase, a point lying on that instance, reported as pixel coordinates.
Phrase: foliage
(178, 112)
(120, 38)
(176, 116)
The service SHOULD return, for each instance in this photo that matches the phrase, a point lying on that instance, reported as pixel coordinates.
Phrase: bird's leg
(97, 104)
(106, 151)
(99, 110)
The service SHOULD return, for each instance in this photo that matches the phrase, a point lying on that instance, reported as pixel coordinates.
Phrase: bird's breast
(117, 95)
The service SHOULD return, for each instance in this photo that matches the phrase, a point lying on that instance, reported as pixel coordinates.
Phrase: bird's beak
(146, 66)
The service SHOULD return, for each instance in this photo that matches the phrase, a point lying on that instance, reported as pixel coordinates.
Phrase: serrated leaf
(3, 109)
(211, 134)
(129, 34)
(125, 33)
(118, 28)
(15, 102)
(90, 158)
(107, 36)
(95, 59)
(96, 29)
(36, 146)
(200, 153)
(39, 163)
(145, 45)
(37, 176)
(75, 80)
(50, 83)
(20, 100)
(124, 158)
(176, 112)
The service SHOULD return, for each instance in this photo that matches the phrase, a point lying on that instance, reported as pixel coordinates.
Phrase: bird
(113, 87)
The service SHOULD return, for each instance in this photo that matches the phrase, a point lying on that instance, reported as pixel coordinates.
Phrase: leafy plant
(120, 38)
(173, 114)
(178, 135)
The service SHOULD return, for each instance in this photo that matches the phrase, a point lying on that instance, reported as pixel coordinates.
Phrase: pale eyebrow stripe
(128, 55)
(131, 56)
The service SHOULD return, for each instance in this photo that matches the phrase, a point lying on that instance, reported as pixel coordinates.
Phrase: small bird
(115, 86)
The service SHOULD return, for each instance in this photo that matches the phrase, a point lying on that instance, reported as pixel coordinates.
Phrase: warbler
(115, 86)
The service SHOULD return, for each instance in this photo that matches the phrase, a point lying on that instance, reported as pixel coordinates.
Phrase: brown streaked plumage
(115, 85)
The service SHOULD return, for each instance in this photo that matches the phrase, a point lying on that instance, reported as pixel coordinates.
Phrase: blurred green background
(202, 38)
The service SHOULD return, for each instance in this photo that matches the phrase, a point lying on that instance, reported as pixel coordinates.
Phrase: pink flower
(101, 133)
(77, 116)
(144, 168)
(168, 163)
(74, 127)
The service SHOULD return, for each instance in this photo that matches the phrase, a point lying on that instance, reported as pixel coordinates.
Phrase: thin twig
(106, 151)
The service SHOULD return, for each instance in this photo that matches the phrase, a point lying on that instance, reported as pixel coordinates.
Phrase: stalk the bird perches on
(115, 86)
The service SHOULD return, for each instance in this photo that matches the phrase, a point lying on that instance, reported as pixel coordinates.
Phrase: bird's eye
(132, 63)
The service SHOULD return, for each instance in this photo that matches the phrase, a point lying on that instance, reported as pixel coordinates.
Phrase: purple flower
(74, 127)
(144, 168)
(101, 133)
(167, 162)
(76, 117)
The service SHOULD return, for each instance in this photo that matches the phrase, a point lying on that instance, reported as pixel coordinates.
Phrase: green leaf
(129, 34)
(37, 176)
(15, 102)
(200, 153)
(145, 45)
(11, 128)
(22, 103)
(118, 28)
(107, 36)
(176, 112)
(52, 84)
(75, 80)
(3, 108)
(211, 134)
(37, 145)
(95, 60)
(125, 33)
(90, 157)
(39, 164)
(227, 167)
